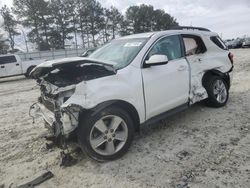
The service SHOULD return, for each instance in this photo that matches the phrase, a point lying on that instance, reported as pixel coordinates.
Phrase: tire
(218, 91)
(27, 74)
(100, 140)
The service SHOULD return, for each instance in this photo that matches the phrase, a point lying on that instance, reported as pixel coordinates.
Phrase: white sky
(231, 18)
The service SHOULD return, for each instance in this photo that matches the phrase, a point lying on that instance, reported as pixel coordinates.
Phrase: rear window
(7, 59)
(218, 42)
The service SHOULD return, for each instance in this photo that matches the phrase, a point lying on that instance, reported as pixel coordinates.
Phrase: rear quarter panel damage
(213, 59)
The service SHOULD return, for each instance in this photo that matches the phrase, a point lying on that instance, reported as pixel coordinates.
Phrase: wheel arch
(215, 72)
(29, 69)
(128, 107)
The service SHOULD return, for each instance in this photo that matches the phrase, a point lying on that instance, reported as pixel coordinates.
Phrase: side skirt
(166, 114)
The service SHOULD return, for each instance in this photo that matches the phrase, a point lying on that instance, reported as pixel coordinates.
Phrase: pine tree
(61, 16)
(9, 25)
(34, 15)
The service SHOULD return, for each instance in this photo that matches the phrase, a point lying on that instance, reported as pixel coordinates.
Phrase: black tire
(212, 99)
(27, 74)
(87, 122)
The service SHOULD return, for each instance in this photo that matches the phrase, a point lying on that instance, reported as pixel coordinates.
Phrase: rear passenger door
(195, 54)
(12, 66)
(194, 48)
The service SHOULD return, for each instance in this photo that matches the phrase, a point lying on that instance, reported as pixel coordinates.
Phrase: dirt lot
(201, 147)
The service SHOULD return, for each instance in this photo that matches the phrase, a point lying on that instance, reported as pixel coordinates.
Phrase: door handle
(2, 66)
(182, 68)
(17, 64)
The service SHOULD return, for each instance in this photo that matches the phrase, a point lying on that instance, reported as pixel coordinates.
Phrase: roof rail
(189, 28)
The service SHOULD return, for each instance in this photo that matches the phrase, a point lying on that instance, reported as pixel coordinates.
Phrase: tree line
(86, 23)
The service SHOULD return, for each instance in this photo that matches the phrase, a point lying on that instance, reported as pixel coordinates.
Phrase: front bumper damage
(61, 122)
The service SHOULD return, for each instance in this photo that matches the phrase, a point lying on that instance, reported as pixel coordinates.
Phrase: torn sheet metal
(44, 177)
(197, 91)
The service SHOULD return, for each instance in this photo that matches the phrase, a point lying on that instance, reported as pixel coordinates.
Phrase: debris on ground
(44, 177)
(67, 159)
(183, 155)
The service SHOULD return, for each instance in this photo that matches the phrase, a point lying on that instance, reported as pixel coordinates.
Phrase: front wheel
(218, 91)
(27, 74)
(106, 135)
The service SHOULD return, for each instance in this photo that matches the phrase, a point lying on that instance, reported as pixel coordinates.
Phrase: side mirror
(157, 60)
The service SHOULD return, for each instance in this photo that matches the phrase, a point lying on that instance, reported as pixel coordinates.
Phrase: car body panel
(165, 86)
(214, 58)
(126, 85)
(151, 91)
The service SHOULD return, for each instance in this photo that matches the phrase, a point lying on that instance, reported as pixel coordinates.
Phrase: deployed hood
(49, 66)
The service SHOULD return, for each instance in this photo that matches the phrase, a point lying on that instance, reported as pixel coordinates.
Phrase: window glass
(193, 45)
(190, 46)
(216, 40)
(169, 46)
(120, 52)
(7, 59)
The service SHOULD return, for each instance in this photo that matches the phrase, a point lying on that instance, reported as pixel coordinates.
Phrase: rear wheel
(106, 135)
(217, 90)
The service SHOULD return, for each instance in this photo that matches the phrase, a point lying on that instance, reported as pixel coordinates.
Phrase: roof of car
(169, 32)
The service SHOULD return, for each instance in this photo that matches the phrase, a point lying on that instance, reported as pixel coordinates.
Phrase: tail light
(231, 57)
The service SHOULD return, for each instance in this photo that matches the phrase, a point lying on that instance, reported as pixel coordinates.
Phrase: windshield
(120, 52)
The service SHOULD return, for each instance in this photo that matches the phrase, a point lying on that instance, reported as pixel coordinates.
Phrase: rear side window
(7, 59)
(193, 45)
(218, 42)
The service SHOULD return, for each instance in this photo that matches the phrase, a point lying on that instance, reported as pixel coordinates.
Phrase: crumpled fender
(88, 94)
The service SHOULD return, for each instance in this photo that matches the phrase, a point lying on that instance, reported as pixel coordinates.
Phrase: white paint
(154, 59)
(17, 67)
(164, 86)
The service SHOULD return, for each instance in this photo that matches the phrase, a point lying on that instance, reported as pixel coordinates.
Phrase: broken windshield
(121, 52)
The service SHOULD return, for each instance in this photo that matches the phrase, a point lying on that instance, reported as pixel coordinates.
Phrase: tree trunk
(37, 34)
(93, 39)
(87, 30)
(75, 32)
(93, 32)
(82, 34)
(45, 30)
(113, 31)
(12, 44)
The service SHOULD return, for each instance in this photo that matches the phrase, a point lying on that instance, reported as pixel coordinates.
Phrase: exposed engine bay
(68, 75)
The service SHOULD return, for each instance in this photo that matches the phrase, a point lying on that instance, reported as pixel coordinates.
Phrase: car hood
(48, 66)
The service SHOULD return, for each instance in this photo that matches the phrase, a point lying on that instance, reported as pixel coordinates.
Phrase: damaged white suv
(101, 101)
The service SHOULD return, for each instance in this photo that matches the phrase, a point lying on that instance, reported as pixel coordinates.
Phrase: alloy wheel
(220, 91)
(108, 135)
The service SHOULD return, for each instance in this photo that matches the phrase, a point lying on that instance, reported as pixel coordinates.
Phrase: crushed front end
(57, 85)
(61, 122)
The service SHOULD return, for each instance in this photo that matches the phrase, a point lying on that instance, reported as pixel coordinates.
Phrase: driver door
(166, 86)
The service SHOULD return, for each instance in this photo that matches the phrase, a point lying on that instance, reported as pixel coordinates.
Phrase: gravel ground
(200, 147)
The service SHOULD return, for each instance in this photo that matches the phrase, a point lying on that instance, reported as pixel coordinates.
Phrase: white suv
(102, 100)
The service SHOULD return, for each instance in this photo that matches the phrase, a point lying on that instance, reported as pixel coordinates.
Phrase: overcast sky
(231, 18)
